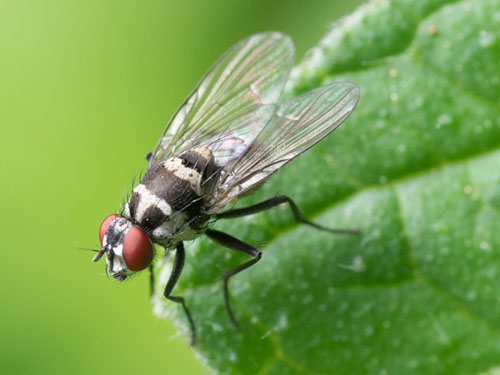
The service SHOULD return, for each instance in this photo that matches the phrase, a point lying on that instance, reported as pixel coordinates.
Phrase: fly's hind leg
(235, 244)
(180, 256)
(272, 202)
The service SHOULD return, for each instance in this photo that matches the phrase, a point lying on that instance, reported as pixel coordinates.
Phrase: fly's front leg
(151, 280)
(180, 256)
(235, 244)
(270, 203)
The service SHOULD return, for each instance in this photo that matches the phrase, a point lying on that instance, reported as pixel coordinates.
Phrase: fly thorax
(169, 201)
(175, 230)
(171, 227)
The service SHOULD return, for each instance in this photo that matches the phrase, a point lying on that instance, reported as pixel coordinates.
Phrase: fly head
(127, 247)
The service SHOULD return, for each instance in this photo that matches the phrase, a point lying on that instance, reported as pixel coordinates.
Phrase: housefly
(229, 136)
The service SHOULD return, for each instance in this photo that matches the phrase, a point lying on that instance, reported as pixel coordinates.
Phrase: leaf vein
(458, 303)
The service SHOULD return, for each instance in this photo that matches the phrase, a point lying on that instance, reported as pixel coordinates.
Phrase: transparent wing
(230, 105)
(297, 125)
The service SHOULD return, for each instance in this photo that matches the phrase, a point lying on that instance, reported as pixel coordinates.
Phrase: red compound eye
(137, 249)
(104, 226)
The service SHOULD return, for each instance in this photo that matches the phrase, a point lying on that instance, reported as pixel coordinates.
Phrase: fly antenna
(87, 249)
(99, 254)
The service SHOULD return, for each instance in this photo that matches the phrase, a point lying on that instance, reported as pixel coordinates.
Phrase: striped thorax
(168, 203)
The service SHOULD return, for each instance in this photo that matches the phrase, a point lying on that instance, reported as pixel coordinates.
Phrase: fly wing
(233, 101)
(296, 126)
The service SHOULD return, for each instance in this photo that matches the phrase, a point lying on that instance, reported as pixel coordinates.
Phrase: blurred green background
(86, 88)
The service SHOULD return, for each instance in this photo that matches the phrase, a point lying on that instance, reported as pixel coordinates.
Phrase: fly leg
(272, 202)
(151, 280)
(174, 276)
(235, 244)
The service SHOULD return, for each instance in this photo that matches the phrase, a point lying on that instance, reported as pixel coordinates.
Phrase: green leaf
(416, 169)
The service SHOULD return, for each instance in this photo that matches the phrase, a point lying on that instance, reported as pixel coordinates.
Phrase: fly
(229, 136)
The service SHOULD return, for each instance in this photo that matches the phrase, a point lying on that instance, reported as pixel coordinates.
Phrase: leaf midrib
(392, 184)
(362, 187)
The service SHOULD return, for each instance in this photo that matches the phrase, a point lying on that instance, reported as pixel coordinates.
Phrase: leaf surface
(416, 169)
